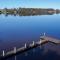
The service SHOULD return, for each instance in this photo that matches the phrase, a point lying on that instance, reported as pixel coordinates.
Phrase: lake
(15, 31)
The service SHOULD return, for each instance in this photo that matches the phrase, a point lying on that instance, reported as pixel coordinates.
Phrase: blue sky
(30, 3)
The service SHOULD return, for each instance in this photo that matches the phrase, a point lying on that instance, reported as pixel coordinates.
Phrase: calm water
(17, 30)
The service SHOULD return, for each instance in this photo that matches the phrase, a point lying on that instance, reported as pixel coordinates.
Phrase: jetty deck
(43, 39)
(50, 39)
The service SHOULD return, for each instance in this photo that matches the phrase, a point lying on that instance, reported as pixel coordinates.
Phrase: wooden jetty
(43, 39)
(50, 39)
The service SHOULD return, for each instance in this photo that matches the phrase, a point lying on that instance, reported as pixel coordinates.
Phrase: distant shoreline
(29, 11)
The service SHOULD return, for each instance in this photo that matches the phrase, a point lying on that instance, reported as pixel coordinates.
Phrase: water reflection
(30, 14)
(33, 50)
(26, 53)
(51, 47)
(15, 58)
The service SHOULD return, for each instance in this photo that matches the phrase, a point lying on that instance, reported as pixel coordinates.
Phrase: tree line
(29, 11)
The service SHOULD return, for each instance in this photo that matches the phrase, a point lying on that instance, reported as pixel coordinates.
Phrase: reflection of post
(33, 50)
(14, 49)
(25, 45)
(40, 43)
(15, 58)
(3, 53)
(26, 53)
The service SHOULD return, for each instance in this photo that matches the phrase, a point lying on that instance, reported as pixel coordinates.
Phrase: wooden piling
(3, 53)
(25, 45)
(14, 49)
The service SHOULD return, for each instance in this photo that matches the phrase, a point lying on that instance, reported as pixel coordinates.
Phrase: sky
(30, 4)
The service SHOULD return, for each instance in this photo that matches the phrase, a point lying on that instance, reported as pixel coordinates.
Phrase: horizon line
(28, 7)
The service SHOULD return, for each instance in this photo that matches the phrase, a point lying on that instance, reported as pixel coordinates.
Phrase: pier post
(40, 41)
(25, 45)
(14, 49)
(3, 53)
(33, 43)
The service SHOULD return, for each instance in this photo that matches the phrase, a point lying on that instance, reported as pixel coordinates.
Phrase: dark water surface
(17, 30)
